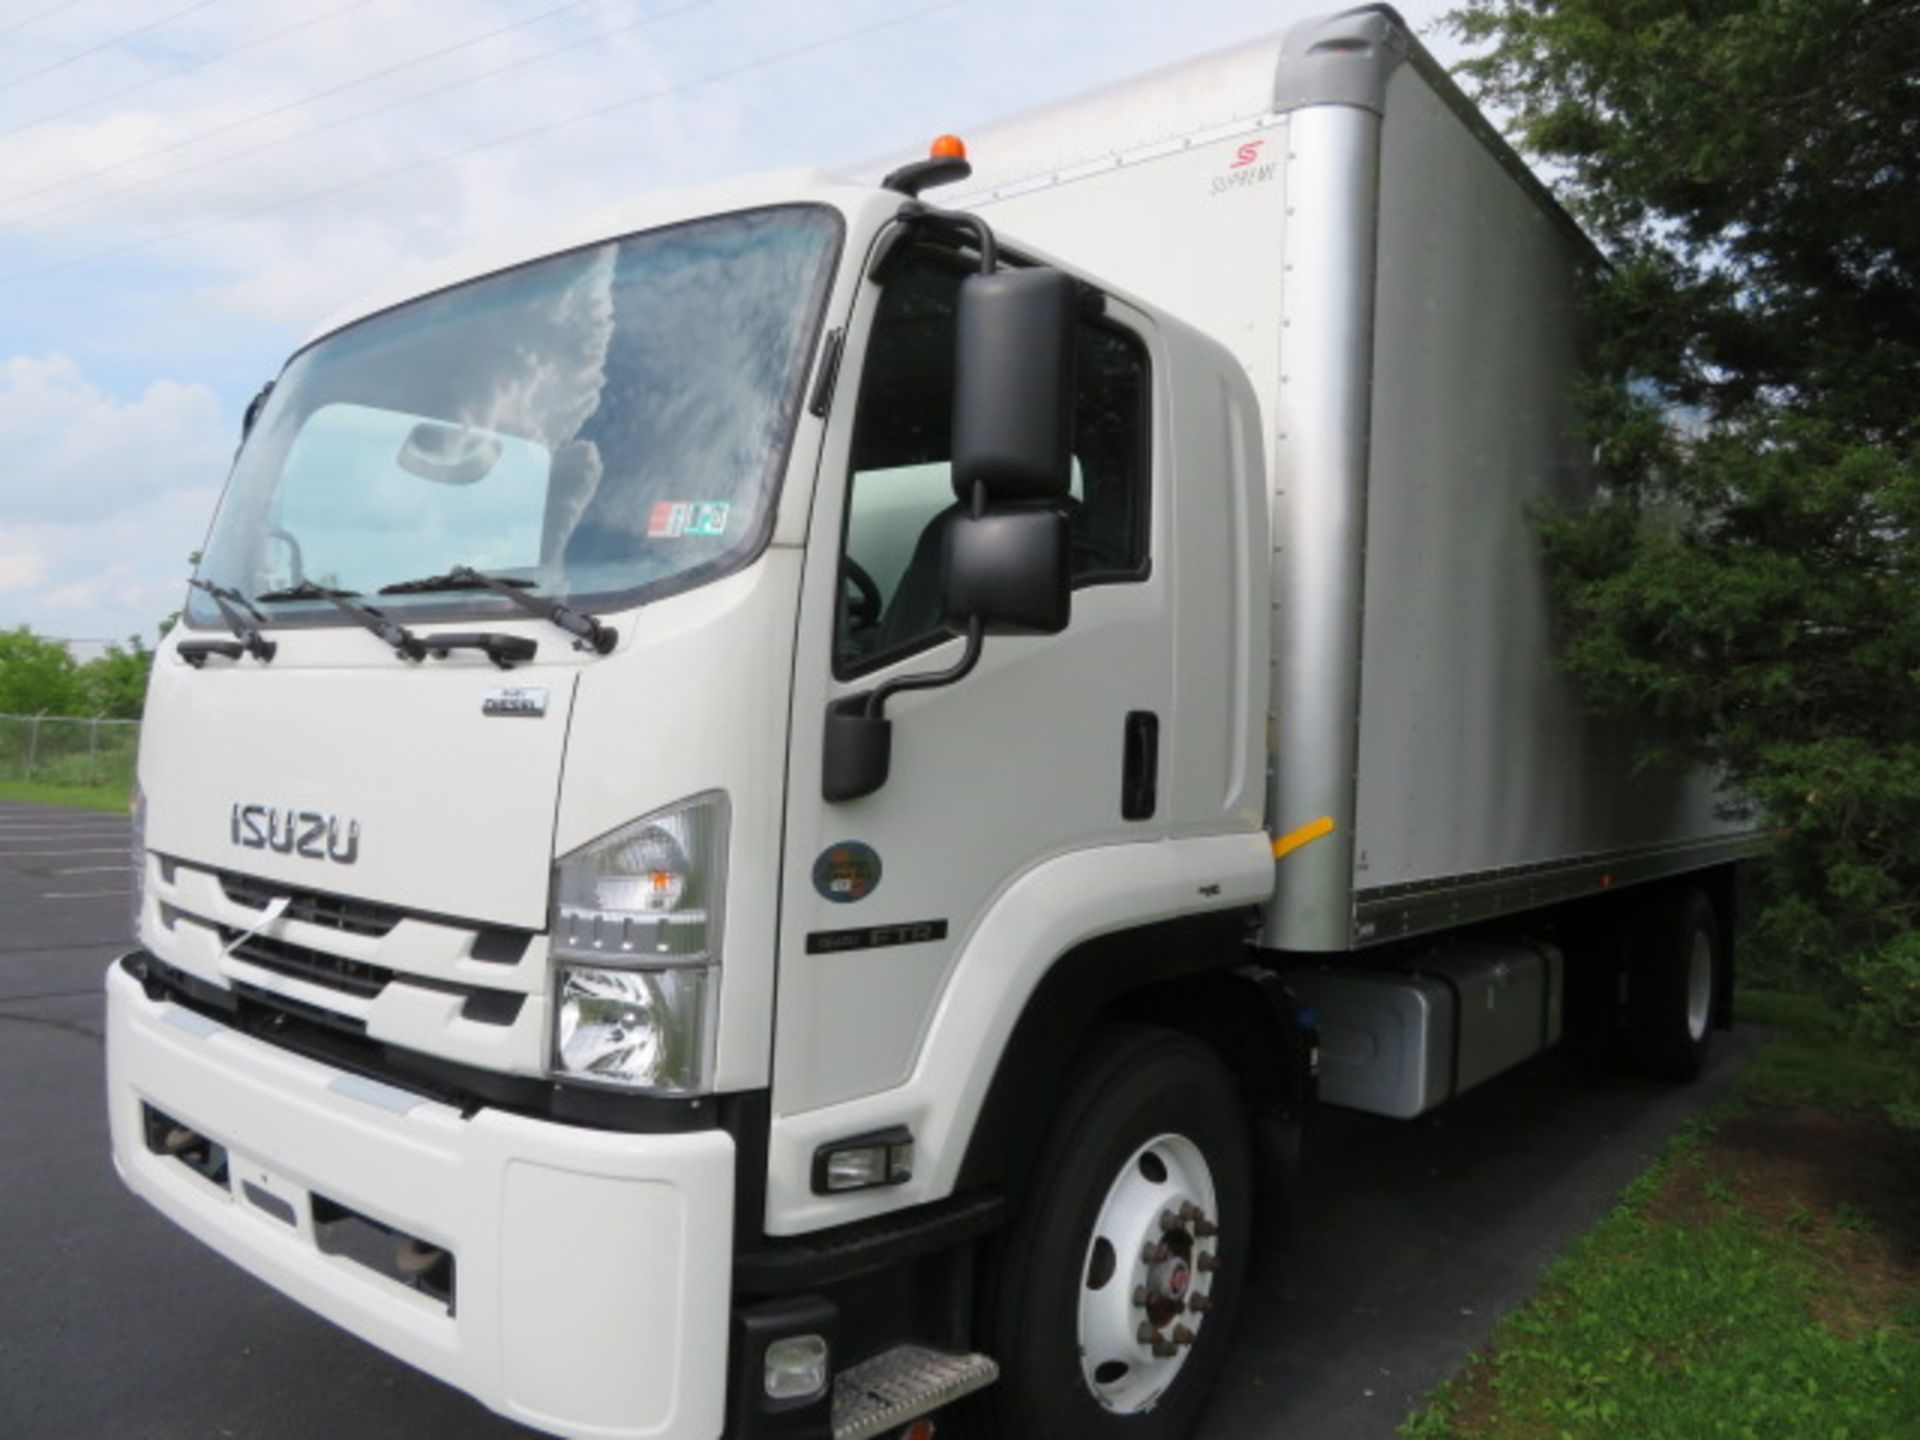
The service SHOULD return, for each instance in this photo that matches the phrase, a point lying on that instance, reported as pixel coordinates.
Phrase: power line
(281, 109)
(26, 20)
(337, 122)
(510, 138)
(182, 72)
(106, 44)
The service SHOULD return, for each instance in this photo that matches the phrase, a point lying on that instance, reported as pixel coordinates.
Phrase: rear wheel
(1118, 1284)
(1673, 985)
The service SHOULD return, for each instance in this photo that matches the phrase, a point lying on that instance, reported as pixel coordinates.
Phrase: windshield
(608, 425)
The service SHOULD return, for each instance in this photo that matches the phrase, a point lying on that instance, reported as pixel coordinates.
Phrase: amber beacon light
(946, 162)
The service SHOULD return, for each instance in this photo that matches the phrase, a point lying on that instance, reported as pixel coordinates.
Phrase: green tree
(37, 675)
(114, 683)
(1753, 169)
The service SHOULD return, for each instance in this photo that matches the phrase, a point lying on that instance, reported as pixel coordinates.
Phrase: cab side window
(901, 486)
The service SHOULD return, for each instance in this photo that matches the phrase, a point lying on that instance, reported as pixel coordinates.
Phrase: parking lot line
(96, 870)
(84, 894)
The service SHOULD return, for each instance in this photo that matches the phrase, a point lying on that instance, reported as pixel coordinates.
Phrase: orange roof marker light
(946, 162)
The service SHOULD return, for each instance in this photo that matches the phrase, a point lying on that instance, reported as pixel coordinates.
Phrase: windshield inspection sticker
(673, 519)
(847, 872)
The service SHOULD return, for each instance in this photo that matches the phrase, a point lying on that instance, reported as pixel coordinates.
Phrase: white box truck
(767, 803)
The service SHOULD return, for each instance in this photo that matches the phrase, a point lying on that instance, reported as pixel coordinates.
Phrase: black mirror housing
(1008, 570)
(1013, 388)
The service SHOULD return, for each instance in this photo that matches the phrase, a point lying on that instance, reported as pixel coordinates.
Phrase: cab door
(1048, 746)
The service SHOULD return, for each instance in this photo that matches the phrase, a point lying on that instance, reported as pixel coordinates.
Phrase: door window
(901, 484)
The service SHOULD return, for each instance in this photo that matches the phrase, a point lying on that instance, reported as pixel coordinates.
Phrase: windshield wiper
(592, 634)
(405, 643)
(227, 600)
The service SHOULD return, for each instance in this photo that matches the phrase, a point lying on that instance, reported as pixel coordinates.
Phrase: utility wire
(214, 162)
(511, 137)
(26, 20)
(106, 44)
(258, 42)
(258, 115)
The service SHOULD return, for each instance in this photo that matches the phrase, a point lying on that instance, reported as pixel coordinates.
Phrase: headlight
(636, 947)
(137, 852)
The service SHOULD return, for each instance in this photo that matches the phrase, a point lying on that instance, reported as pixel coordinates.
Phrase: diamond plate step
(899, 1386)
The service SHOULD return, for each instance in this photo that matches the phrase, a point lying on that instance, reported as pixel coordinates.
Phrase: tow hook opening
(405, 1259)
(167, 1136)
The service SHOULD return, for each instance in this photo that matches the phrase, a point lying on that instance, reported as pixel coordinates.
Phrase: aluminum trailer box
(1406, 298)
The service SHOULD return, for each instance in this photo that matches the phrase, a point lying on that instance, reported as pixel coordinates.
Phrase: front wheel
(1118, 1285)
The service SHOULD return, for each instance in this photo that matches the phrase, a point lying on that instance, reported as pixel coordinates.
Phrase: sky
(187, 187)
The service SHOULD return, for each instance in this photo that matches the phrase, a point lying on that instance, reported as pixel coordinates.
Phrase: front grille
(336, 972)
(356, 917)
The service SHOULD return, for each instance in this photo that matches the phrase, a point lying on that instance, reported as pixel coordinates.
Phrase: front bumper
(592, 1269)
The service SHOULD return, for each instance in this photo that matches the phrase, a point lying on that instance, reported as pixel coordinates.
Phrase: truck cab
(495, 974)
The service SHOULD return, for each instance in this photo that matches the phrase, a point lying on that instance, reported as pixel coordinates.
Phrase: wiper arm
(405, 643)
(592, 633)
(248, 633)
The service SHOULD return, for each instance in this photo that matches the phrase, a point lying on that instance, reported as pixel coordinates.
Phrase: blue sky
(173, 222)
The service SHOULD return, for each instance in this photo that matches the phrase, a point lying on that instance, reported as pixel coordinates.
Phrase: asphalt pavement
(1418, 1236)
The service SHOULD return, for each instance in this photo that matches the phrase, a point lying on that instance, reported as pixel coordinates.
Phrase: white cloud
(103, 498)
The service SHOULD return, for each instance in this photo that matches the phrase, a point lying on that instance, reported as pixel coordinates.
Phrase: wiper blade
(590, 632)
(228, 600)
(405, 643)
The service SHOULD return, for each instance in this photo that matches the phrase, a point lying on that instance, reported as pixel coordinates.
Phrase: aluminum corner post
(1319, 512)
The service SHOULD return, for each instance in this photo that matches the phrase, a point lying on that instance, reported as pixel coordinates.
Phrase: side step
(900, 1385)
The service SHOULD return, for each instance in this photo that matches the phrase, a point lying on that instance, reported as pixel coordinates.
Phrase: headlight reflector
(642, 1028)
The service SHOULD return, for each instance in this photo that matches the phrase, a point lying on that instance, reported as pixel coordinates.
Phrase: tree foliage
(39, 676)
(1752, 168)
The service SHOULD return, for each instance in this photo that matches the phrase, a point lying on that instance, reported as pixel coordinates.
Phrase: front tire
(1119, 1283)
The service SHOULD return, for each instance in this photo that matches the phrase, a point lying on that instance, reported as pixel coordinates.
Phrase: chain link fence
(63, 750)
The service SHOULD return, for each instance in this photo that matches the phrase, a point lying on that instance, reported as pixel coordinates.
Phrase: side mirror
(1007, 570)
(1013, 387)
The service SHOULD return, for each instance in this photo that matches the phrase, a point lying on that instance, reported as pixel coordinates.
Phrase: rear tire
(1152, 1126)
(1673, 985)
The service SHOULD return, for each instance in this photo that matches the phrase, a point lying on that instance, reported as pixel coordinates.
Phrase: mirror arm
(876, 706)
(959, 219)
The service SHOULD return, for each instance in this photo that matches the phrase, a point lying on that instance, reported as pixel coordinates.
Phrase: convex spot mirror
(1007, 569)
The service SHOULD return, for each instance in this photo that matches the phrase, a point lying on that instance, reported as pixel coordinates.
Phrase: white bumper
(592, 1269)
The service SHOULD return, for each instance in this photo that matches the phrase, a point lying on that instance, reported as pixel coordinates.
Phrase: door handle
(1140, 766)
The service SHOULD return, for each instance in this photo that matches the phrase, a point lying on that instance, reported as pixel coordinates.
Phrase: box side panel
(1476, 753)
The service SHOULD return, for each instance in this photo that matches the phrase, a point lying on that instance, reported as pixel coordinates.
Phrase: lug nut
(1206, 1264)
(1190, 1211)
(1146, 1334)
(1165, 1350)
(1140, 1295)
(1169, 1220)
(1200, 1304)
(1182, 1335)
(1205, 1229)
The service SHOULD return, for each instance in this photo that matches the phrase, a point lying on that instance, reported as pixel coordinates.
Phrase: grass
(1761, 1281)
(85, 797)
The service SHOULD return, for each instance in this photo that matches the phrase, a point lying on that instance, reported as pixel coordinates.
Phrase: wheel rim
(1146, 1284)
(1700, 985)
